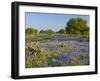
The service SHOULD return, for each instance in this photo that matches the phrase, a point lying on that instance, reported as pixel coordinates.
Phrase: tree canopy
(62, 31)
(31, 31)
(77, 26)
(47, 31)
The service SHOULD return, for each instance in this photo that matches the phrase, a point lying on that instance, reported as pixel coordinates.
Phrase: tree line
(73, 26)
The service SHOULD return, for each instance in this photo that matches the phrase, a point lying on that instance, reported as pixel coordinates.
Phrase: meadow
(54, 50)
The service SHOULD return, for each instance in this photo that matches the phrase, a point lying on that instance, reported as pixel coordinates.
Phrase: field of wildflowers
(53, 50)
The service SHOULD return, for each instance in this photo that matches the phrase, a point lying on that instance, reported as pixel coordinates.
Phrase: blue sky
(45, 21)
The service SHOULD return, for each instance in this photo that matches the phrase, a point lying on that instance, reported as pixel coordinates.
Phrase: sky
(45, 21)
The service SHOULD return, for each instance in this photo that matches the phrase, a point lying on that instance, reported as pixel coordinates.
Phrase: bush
(31, 31)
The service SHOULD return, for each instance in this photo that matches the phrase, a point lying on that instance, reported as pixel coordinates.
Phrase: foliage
(31, 31)
(47, 31)
(62, 31)
(35, 56)
(77, 26)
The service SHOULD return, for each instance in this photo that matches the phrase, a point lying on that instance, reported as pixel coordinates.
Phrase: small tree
(47, 31)
(61, 31)
(31, 31)
(42, 31)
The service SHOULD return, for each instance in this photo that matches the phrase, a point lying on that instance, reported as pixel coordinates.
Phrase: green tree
(77, 26)
(31, 31)
(47, 31)
(42, 31)
(62, 31)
